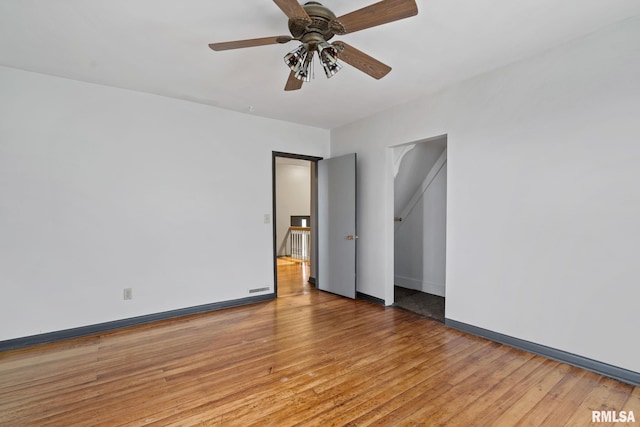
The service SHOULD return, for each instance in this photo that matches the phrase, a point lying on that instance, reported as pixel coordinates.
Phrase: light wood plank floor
(293, 277)
(308, 358)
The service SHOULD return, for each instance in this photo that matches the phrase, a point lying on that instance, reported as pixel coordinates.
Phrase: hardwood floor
(293, 277)
(307, 358)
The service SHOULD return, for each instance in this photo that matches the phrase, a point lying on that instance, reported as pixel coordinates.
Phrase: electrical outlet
(128, 293)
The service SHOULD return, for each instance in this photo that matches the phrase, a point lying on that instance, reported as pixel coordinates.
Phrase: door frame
(314, 212)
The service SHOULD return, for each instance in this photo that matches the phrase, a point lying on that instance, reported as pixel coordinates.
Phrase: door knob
(352, 237)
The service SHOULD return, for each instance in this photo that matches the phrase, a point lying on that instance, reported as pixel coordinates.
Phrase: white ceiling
(160, 47)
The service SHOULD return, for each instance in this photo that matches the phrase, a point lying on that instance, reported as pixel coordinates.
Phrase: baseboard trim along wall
(369, 298)
(124, 323)
(605, 369)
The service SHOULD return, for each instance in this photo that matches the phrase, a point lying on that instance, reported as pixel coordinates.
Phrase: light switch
(267, 218)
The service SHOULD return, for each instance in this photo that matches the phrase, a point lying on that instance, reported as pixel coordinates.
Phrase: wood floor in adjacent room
(307, 358)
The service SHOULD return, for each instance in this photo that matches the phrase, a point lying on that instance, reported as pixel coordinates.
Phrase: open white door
(337, 225)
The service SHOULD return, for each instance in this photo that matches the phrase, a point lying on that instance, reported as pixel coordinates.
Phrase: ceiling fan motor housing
(318, 30)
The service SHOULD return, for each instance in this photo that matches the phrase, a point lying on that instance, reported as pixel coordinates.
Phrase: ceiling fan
(313, 25)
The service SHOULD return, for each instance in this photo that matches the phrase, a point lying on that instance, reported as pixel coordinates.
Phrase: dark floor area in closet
(424, 304)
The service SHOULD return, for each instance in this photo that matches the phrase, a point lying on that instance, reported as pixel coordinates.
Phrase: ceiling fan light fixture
(296, 57)
(304, 72)
(331, 69)
(329, 59)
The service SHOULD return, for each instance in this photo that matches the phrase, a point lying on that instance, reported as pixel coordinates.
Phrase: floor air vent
(253, 291)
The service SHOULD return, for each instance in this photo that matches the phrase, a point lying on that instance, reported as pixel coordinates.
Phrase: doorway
(420, 212)
(294, 223)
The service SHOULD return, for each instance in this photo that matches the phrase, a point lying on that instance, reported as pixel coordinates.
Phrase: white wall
(102, 189)
(293, 194)
(543, 197)
(413, 169)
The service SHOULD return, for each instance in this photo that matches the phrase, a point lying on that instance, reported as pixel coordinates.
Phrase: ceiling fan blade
(379, 13)
(361, 60)
(238, 44)
(292, 9)
(293, 83)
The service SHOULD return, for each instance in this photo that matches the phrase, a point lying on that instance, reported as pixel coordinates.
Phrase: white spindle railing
(300, 242)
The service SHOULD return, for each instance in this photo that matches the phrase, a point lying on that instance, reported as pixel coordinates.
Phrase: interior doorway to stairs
(420, 213)
(294, 222)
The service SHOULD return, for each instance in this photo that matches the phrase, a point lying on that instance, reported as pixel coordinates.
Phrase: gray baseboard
(124, 323)
(605, 369)
(370, 298)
